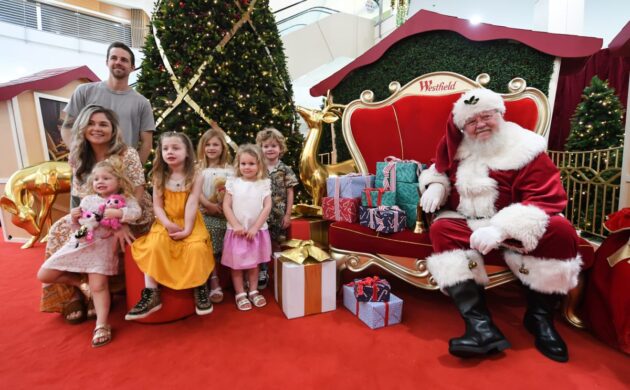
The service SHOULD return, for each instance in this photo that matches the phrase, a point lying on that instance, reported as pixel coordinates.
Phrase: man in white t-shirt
(134, 111)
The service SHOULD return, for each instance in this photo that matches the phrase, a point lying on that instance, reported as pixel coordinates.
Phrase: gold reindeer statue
(312, 172)
(41, 182)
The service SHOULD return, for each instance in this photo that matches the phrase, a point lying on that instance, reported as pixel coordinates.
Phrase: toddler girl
(214, 159)
(273, 146)
(91, 249)
(246, 207)
(177, 251)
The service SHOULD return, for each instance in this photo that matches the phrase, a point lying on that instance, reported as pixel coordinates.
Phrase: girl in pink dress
(246, 207)
(91, 249)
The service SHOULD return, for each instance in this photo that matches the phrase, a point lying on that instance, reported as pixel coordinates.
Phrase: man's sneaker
(149, 302)
(203, 305)
(263, 278)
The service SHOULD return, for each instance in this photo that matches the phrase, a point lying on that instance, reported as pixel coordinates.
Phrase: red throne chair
(176, 304)
(408, 125)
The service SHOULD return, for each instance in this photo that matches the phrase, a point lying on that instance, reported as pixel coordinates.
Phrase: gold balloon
(40, 182)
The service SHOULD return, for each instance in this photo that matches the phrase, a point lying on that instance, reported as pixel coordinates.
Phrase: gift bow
(302, 249)
(389, 172)
(369, 281)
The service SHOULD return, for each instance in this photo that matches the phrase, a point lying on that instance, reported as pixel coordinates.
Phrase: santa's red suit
(515, 187)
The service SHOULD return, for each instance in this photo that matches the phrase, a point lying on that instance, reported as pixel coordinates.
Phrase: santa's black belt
(476, 218)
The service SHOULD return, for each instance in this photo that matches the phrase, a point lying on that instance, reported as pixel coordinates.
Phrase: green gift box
(406, 193)
(412, 213)
(374, 197)
(405, 171)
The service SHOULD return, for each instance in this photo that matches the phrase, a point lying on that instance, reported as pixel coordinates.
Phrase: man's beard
(488, 147)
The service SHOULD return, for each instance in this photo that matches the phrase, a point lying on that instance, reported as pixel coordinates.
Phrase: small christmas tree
(597, 122)
(219, 61)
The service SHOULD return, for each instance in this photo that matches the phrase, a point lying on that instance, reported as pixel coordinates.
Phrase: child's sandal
(242, 303)
(102, 335)
(216, 294)
(257, 299)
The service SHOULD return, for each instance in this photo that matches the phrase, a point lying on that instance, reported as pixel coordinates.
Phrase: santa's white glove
(486, 239)
(432, 197)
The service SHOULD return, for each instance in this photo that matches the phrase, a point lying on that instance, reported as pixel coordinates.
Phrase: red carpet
(261, 349)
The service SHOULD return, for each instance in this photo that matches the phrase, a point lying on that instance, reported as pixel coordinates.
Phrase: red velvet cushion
(356, 238)
(176, 304)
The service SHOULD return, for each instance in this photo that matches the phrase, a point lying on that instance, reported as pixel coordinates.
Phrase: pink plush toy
(115, 201)
(89, 222)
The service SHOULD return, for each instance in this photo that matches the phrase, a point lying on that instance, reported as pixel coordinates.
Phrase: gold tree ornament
(30, 193)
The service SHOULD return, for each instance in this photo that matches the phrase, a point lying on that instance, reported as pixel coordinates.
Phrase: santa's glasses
(482, 118)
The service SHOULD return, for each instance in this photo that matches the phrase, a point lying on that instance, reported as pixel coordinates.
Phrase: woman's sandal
(74, 312)
(242, 303)
(257, 299)
(102, 335)
(216, 294)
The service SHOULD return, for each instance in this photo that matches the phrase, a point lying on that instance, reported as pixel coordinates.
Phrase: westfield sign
(429, 86)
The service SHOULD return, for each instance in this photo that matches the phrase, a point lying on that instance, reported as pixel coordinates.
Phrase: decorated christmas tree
(597, 122)
(219, 61)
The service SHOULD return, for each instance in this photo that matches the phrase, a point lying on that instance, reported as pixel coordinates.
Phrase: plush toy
(219, 190)
(115, 201)
(89, 221)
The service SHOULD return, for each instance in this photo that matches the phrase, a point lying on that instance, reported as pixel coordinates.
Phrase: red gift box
(341, 209)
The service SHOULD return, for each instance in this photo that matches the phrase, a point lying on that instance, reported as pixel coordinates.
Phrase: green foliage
(244, 88)
(598, 120)
(436, 51)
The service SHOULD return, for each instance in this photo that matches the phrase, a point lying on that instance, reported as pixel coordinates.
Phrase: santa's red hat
(467, 106)
(475, 102)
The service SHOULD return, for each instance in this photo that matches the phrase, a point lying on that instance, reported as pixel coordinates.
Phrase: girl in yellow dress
(177, 251)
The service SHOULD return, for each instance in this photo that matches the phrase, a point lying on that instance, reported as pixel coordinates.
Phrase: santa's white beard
(487, 147)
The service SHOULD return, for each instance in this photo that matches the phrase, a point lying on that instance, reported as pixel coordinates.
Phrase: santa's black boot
(482, 336)
(539, 322)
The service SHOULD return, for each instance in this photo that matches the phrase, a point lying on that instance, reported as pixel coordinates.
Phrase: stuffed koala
(89, 221)
(115, 201)
(219, 190)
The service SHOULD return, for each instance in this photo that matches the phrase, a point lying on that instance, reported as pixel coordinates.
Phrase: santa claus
(498, 198)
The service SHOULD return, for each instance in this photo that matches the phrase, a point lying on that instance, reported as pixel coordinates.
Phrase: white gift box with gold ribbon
(307, 288)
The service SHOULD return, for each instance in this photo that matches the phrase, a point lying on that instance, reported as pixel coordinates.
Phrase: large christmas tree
(222, 61)
(598, 119)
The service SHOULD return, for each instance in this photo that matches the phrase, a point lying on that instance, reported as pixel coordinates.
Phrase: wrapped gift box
(406, 193)
(411, 210)
(350, 186)
(383, 219)
(374, 314)
(342, 209)
(303, 289)
(315, 229)
(405, 171)
(371, 289)
(374, 197)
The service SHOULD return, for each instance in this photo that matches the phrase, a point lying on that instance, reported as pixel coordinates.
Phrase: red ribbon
(379, 199)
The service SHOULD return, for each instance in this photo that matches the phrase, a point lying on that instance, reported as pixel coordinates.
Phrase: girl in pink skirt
(246, 206)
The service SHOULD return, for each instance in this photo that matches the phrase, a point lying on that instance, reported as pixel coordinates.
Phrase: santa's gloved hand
(432, 197)
(486, 239)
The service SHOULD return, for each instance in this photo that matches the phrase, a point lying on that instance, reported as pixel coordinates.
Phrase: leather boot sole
(465, 351)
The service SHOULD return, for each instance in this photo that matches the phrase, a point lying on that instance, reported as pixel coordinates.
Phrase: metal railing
(592, 181)
(297, 19)
(49, 18)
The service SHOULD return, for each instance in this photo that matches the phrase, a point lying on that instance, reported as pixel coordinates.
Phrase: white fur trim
(477, 191)
(526, 223)
(488, 100)
(547, 276)
(514, 148)
(450, 268)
